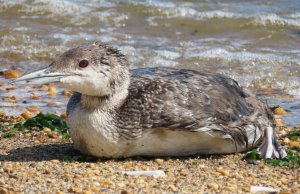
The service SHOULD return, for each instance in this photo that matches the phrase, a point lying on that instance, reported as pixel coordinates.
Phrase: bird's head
(93, 69)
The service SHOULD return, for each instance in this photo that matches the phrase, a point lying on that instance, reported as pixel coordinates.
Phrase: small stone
(285, 192)
(87, 192)
(231, 188)
(121, 184)
(173, 188)
(94, 189)
(52, 90)
(67, 93)
(11, 99)
(74, 190)
(34, 110)
(278, 122)
(43, 87)
(282, 132)
(54, 161)
(11, 74)
(53, 135)
(279, 111)
(223, 172)
(47, 130)
(51, 104)
(284, 181)
(286, 140)
(213, 186)
(106, 182)
(3, 191)
(159, 161)
(294, 144)
(268, 91)
(35, 97)
(52, 95)
(91, 165)
(26, 115)
(64, 115)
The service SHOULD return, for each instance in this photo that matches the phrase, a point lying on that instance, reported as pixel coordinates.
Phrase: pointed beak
(40, 77)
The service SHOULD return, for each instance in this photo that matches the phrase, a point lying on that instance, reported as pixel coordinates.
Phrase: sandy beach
(44, 162)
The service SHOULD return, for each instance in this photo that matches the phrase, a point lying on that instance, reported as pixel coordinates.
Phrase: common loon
(116, 112)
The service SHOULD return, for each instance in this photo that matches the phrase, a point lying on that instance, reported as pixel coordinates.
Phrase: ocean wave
(223, 53)
(255, 19)
(273, 19)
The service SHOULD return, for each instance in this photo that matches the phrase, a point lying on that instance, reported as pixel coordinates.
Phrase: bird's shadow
(65, 152)
(46, 152)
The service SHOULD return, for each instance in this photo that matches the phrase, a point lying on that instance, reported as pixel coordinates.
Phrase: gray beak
(40, 77)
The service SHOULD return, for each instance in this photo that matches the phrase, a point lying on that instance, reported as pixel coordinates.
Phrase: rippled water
(254, 42)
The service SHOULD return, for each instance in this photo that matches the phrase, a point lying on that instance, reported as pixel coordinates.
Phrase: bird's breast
(93, 133)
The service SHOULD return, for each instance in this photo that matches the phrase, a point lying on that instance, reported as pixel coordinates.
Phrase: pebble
(75, 190)
(294, 144)
(47, 130)
(173, 188)
(9, 74)
(52, 89)
(213, 186)
(285, 192)
(26, 115)
(64, 115)
(51, 104)
(231, 188)
(106, 182)
(54, 161)
(11, 99)
(279, 111)
(52, 95)
(286, 140)
(3, 191)
(34, 111)
(91, 165)
(223, 172)
(67, 93)
(53, 134)
(159, 161)
(35, 97)
(43, 87)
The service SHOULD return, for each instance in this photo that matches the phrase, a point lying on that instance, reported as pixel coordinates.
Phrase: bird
(119, 112)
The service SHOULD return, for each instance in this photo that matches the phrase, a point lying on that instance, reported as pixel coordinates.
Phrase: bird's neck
(106, 103)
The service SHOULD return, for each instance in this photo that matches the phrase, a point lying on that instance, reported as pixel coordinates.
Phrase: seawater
(254, 42)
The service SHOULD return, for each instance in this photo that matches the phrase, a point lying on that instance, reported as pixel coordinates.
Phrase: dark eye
(83, 63)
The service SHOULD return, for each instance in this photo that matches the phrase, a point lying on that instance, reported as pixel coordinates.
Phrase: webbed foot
(270, 147)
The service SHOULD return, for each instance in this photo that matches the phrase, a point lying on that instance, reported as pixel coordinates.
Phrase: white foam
(256, 18)
(273, 19)
(158, 61)
(168, 54)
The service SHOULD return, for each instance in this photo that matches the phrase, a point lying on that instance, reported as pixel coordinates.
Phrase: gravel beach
(43, 162)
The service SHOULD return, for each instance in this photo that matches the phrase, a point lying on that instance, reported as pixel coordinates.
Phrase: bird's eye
(83, 63)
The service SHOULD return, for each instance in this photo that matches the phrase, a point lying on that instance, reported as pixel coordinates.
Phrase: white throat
(109, 102)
